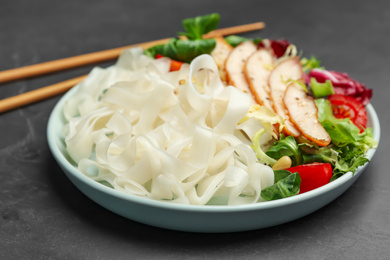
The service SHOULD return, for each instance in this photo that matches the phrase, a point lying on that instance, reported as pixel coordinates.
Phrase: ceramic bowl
(210, 219)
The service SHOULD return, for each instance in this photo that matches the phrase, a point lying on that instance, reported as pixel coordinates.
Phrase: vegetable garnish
(186, 50)
(235, 40)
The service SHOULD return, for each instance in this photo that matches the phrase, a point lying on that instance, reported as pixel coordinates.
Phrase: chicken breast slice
(234, 66)
(284, 72)
(257, 69)
(303, 113)
(220, 53)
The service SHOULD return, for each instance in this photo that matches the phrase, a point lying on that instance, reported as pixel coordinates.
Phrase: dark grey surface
(43, 216)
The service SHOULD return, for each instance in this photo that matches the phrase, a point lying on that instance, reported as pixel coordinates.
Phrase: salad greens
(186, 50)
(286, 146)
(321, 89)
(235, 40)
(286, 185)
(348, 142)
(309, 64)
(346, 153)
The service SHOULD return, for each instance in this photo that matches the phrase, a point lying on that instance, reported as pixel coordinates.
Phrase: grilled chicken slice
(220, 53)
(303, 113)
(234, 66)
(257, 69)
(284, 72)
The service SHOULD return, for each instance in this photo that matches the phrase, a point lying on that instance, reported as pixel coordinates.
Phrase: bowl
(194, 218)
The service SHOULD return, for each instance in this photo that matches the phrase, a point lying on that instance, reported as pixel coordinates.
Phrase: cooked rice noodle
(171, 136)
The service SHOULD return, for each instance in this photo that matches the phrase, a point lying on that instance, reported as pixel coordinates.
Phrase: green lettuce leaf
(321, 89)
(286, 187)
(347, 141)
(286, 146)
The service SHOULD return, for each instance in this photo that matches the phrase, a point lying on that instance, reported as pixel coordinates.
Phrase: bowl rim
(52, 138)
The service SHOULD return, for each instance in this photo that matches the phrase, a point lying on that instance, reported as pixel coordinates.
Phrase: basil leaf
(286, 187)
(235, 40)
(194, 45)
(168, 50)
(200, 25)
(187, 50)
(280, 174)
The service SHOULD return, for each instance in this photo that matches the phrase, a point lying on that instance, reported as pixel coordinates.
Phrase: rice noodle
(172, 136)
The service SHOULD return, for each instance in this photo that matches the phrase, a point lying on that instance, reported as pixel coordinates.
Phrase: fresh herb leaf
(235, 40)
(286, 187)
(200, 25)
(285, 146)
(186, 50)
(280, 174)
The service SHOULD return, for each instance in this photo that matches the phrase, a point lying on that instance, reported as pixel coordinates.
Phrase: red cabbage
(278, 46)
(342, 84)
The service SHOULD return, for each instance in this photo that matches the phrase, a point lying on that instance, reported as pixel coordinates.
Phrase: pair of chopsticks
(81, 60)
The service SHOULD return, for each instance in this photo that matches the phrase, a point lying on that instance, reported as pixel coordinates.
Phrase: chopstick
(81, 60)
(96, 57)
(38, 94)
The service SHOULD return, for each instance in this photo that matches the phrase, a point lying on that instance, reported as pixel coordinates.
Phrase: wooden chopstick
(96, 57)
(85, 59)
(38, 94)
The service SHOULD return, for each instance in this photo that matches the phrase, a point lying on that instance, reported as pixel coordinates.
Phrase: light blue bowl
(209, 219)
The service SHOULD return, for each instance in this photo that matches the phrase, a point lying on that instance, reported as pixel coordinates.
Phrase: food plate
(192, 218)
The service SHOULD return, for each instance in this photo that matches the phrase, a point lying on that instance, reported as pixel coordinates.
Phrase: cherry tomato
(347, 106)
(313, 175)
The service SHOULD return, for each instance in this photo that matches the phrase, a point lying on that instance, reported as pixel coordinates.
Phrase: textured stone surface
(43, 216)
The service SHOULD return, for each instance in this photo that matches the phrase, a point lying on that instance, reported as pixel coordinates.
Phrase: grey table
(43, 216)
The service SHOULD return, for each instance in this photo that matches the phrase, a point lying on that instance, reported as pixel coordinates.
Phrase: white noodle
(166, 136)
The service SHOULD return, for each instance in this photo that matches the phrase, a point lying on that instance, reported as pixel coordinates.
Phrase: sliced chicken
(220, 53)
(257, 69)
(234, 66)
(303, 113)
(284, 72)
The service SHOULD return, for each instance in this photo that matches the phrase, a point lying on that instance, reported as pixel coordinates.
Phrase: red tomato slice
(347, 106)
(313, 175)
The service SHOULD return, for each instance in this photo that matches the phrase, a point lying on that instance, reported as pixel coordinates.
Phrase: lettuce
(321, 89)
(309, 64)
(347, 141)
(346, 152)
(283, 188)
(286, 146)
